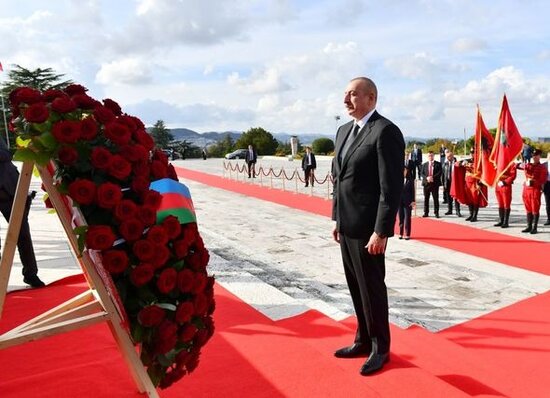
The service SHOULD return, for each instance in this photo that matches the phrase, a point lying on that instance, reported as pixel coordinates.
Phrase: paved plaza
(283, 261)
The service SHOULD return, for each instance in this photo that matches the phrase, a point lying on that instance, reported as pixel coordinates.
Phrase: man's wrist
(381, 235)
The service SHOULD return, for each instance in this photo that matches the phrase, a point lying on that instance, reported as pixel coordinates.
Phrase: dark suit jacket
(9, 175)
(251, 159)
(447, 176)
(436, 173)
(407, 196)
(368, 181)
(313, 161)
(416, 156)
(409, 165)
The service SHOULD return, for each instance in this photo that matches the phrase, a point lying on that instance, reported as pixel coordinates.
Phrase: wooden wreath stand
(97, 304)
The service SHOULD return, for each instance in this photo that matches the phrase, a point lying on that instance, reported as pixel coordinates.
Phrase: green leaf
(24, 155)
(48, 140)
(42, 158)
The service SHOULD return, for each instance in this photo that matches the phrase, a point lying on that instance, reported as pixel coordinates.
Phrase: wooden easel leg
(14, 226)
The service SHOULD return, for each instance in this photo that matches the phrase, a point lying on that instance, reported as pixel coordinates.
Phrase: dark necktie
(349, 141)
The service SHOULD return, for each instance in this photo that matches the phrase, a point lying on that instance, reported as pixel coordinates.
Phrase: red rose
(159, 170)
(66, 131)
(198, 260)
(160, 155)
(119, 168)
(172, 226)
(115, 261)
(186, 280)
(130, 121)
(158, 235)
(139, 184)
(82, 191)
(201, 304)
(37, 113)
(125, 210)
(143, 138)
(141, 168)
(144, 250)
(172, 174)
(142, 274)
(112, 106)
(151, 315)
(25, 95)
(193, 361)
(166, 336)
(103, 114)
(152, 198)
(167, 280)
(181, 248)
(199, 283)
(201, 337)
(73, 89)
(99, 237)
(101, 158)
(131, 229)
(63, 104)
(184, 312)
(134, 153)
(88, 129)
(147, 214)
(161, 257)
(51, 94)
(84, 101)
(187, 332)
(108, 195)
(118, 133)
(67, 155)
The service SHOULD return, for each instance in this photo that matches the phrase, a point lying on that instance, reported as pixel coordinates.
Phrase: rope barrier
(281, 176)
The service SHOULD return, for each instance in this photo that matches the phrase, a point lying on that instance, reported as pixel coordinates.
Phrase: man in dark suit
(447, 179)
(368, 179)
(410, 165)
(9, 176)
(416, 157)
(250, 158)
(431, 181)
(309, 164)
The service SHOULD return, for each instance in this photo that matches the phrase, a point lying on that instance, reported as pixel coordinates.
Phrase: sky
(219, 65)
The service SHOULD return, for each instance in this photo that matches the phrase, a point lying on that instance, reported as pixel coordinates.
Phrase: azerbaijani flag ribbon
(176, 201)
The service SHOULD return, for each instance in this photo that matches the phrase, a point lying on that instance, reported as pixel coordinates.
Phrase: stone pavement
(283, 261)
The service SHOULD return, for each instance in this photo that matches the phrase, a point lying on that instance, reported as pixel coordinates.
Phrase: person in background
(416, 157)
(447, 179)
(503, 192)
(527, 153)
(309, 164)
(410, 165)
(250, 158)
(536, 175)
(9, 177)
(367, 170)
(431, 181)
(442, 151)
(547, 189)
(204, 153)
(406, 205)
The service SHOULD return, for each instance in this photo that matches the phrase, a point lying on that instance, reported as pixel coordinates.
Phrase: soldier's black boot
(471, 210)
(506, 218)
(458, 210)
(547, 216)
(500, 217)
(474, 216)
(535, 222)
(529, 223)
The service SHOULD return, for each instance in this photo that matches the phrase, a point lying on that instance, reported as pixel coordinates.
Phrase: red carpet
(502, 354)
(514, 251)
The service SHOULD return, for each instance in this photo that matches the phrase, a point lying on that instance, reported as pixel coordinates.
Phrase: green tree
(161, 135)
(40, 79)
(322, 146)
(220, 148)
(262, 140)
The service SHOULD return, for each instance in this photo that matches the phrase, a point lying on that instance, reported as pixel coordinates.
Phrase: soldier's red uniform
(535, 178)
(503, 192)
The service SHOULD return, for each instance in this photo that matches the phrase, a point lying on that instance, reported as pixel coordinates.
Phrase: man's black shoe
(374, 363)
(424, 215)
(437, 215)
(353, 351)
(448, 213)
(33, 281)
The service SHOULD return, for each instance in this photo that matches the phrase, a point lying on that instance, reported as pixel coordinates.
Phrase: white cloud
(464, 45)
(260, 82)
(124, 71)
(420, 66)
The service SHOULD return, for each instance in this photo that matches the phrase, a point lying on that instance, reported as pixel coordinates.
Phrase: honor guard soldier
(535, 178)
(503, 192)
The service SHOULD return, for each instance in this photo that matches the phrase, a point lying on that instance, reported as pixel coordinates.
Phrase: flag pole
(5, 122)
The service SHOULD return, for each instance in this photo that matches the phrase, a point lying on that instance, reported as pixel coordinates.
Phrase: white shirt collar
(361, 123)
